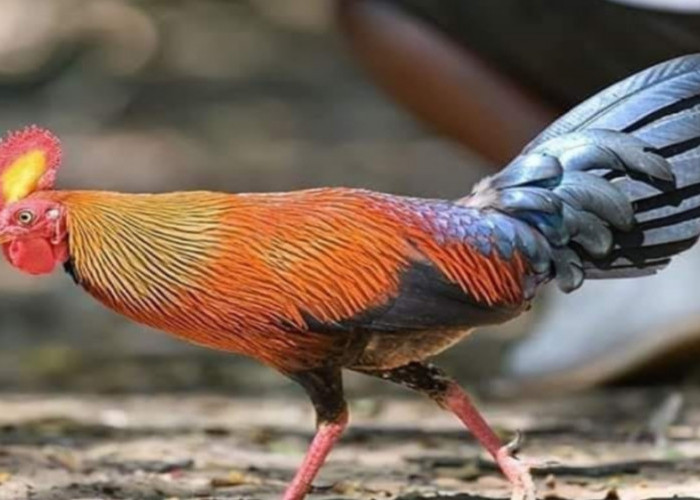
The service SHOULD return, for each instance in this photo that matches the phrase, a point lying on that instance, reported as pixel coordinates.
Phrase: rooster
(318, 281)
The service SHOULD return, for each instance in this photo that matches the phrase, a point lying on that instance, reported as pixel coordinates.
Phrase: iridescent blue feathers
(612, 189)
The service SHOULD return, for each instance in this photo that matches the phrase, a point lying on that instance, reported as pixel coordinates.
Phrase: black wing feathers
(426, 300)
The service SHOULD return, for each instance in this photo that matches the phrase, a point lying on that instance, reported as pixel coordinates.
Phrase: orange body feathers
(269, 275)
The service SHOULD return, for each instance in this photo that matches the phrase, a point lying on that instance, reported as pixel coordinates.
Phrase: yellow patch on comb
(29, 159)
(22, 176)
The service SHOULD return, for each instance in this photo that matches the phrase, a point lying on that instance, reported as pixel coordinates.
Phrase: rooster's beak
(4, 238)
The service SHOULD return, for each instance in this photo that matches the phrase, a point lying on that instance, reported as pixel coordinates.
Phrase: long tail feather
(614, 185)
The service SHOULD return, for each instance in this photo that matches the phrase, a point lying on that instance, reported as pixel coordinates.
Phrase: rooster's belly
(384, 351)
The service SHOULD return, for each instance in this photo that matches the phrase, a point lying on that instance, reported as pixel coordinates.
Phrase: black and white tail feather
(612, 187)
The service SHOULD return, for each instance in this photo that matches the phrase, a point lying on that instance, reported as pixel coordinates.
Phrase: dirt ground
(602, 446)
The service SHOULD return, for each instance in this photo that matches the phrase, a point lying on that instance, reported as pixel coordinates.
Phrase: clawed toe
(517, 471)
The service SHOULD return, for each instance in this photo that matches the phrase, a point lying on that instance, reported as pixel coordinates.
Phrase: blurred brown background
(238, 95)
(265, 95)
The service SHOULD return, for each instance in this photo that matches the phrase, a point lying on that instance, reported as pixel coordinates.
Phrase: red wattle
(33, 256)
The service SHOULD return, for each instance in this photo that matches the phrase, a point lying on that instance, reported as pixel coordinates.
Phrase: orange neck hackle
(214, 269)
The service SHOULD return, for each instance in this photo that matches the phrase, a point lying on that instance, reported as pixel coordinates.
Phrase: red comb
(31, 138)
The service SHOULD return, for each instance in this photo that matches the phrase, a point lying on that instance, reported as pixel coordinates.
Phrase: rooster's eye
(25, 217)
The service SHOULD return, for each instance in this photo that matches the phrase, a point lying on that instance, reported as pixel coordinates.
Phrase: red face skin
(33, 235)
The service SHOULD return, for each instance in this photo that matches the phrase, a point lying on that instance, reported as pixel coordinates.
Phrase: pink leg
(518, 473)
(432, 382)
(326, 436)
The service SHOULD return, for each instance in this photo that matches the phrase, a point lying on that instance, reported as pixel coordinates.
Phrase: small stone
(612, 494)
(550, 481)
(234, 478)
